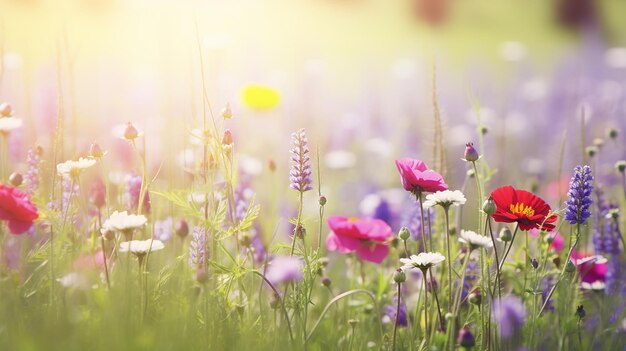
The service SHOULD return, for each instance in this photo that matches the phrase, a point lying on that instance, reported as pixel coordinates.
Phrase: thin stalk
(298, 223)
(104, 255)
(562, 274)
(495, 251)
(441, 319)
(449, 263)
(480, 196)
(341, 296)
(419, 199)
(395, 325)
(282, 300)
(426, 332)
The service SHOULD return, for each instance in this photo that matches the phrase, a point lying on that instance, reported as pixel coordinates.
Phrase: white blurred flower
(123, 222)
(250, 165)
(73, 169)
(513, 51)
(445, 199)
(141, 247)
(615, 57)
(422, 261)
(340, 159)
(74, 280)
(8, 124)
(475, 240)
(596, 286)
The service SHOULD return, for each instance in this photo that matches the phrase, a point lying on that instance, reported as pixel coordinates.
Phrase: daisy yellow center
(523, 209)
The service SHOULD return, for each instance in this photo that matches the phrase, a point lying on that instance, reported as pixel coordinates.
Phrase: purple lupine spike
(510, 315)
(300, 175)
(605, 227)
(32, 174)
(579, 196)
(197, 247)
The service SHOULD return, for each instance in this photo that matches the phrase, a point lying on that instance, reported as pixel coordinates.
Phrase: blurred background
(359, 75)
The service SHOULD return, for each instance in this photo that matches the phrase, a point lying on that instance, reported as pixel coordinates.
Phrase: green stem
(341, 296)
(449, 263)
(419, 199)
(562, 274)
(395, 325)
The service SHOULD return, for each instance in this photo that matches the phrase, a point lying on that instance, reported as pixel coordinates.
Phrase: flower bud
(404, 234)
(465, 338)
(353, 322)
(489, 206)
(620, 166)
(300, 231)
(570, 267)
(591, 151)
(130, 133)
(326, 281)
(448, 316)
(323, 261)
(556, 259)
(201, 276)
(6, 110)
(182, 228)
(471, 155)
(475, 297)
(108, 234)
(323, 200)
(613, 133)
(598, 143)
(613, 214)
(505, 234)
(16, 179)
(227, 139)
(534, 263)
(245, 240)
(95, 151)
(227, 113)
(271, 165)
(484, 130)
(470, 173)
(580, 311)
(399, 276)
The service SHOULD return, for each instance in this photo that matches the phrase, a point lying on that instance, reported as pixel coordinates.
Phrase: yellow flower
(260, 97)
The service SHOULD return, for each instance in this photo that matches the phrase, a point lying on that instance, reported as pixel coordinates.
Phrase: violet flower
(284, 269)
(32, 174)
(197, 247)
(579, 196)
(300, 175)
(509, 313)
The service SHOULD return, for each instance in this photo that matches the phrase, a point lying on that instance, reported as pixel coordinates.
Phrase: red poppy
(16, 208)
(523, 207)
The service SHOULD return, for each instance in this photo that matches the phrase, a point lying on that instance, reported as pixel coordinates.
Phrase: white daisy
(475, 240)
(595, 259)
(123, 222)
(445, 199)
(7, 124)
(423, 260)
(72, 169)
(141, 247)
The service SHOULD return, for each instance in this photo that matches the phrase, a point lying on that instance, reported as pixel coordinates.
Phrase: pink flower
(557, 239)
(16, 208)
(592, 268)
(365, 236)
(416, 176)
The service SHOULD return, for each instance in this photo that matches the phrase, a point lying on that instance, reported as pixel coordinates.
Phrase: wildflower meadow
(213, 176)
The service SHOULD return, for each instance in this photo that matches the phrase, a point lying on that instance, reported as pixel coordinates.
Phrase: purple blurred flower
(284, 269)
(133, 186)
(197, 247)
(300, 175)
(579, 196)
(32, 174)
(389, 315)
(413, 220)
(163, 229)
(605, 230)
(509, 313)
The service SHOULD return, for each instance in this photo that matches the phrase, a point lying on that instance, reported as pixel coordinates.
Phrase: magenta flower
(416, 177)
(592, 268)
(558, 242)
(366, 236)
